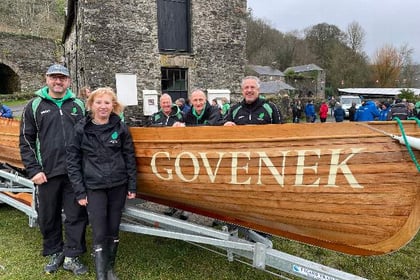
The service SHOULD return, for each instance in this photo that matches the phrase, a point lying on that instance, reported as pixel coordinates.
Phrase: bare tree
(355, 36)
(408, 71)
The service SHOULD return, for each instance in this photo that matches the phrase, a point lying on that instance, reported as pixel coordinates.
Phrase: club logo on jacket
(74, 111)
(114, 138)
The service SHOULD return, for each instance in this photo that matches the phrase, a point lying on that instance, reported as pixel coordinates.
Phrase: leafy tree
(322, 38)
(407, 95)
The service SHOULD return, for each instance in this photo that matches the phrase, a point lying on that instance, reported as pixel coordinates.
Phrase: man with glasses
(46, 126)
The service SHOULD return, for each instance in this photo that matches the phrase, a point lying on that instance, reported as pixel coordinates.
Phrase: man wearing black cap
(46, 125)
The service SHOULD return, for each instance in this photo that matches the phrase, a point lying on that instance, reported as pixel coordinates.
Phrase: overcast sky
(395, 22)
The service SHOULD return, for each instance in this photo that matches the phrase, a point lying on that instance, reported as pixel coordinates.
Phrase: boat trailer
(253, 249)
(18, 192)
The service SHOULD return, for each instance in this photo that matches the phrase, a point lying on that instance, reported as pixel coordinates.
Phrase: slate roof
(304, 68)
(266, 70)
(274, 87)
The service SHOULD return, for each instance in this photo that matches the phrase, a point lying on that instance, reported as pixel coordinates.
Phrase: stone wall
(109, 37)
(24, 60)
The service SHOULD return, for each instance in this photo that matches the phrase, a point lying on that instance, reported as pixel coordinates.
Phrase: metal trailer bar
(14, 183)
(259, 252)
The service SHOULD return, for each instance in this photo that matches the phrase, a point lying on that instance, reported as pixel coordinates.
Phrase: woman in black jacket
(102, 169)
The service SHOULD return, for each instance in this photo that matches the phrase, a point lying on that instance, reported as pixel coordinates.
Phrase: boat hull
(345, 186)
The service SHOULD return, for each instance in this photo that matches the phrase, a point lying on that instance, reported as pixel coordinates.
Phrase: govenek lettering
(166, 167)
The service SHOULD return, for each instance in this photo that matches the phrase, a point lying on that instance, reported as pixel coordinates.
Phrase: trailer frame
(256, 249)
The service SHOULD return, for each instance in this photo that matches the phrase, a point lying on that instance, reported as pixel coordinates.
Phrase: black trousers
(105, 208)
(55, 196)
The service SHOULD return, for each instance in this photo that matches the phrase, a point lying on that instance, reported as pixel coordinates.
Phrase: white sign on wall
(218, 94)
(126, 89)
(150, 102)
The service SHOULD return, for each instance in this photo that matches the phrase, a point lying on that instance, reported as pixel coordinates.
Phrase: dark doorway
(175, 82)
(9, 80)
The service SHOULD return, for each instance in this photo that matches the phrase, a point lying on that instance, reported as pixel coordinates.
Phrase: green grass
(148, 257)
(15, 102)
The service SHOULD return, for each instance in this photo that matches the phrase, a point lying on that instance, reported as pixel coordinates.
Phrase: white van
(347, 100)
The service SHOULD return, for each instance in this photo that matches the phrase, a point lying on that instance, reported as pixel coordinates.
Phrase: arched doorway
(9, 80)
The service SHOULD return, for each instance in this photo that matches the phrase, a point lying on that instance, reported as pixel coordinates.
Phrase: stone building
(170, 46)
(24, 60)
(308, 80)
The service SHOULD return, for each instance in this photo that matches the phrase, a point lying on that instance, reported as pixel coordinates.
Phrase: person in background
(182, 104)
(225, 106)
(84, 93)
(399, 109)
(383, 113)
(297, 110)
(323, 111)
(352, 111)
(366, 112)
(339, 113)
(168, 114)
(46, 125)
(5, 112)
(416, 110)
(411, 109)
(331, 104)
(252, 109)
(102, 169)
(201, 112)
(310, 112)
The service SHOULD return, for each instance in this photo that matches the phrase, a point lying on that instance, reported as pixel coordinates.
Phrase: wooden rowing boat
(349, 187)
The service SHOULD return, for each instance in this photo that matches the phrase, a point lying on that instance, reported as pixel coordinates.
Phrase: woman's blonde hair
(118, 108)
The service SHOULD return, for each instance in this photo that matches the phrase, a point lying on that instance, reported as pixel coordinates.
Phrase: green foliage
(61, 6)
(407, 94)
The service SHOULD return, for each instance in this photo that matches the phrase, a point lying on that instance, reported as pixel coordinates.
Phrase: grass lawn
(148, 257)
(15, 102)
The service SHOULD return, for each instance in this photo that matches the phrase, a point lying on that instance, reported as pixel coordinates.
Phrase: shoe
(170, 211)
(56, 260)
(184, 215)
(74, 265)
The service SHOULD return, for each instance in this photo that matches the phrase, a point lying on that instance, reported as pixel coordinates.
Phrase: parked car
(347, 100)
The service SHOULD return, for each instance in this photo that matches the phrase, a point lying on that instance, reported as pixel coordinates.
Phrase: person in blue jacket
(367, 112)
(5, 112)
(310, 112)
(383, 114)
(339, 113)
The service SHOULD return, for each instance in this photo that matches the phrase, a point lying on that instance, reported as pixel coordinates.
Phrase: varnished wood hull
(343, 186)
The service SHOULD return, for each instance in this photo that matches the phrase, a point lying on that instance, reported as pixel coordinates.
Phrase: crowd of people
(369, 110)
(79, 154)
(384, 111)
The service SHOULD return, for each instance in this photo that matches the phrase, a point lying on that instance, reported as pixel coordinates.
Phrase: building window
(175, 82)
(174, 25)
